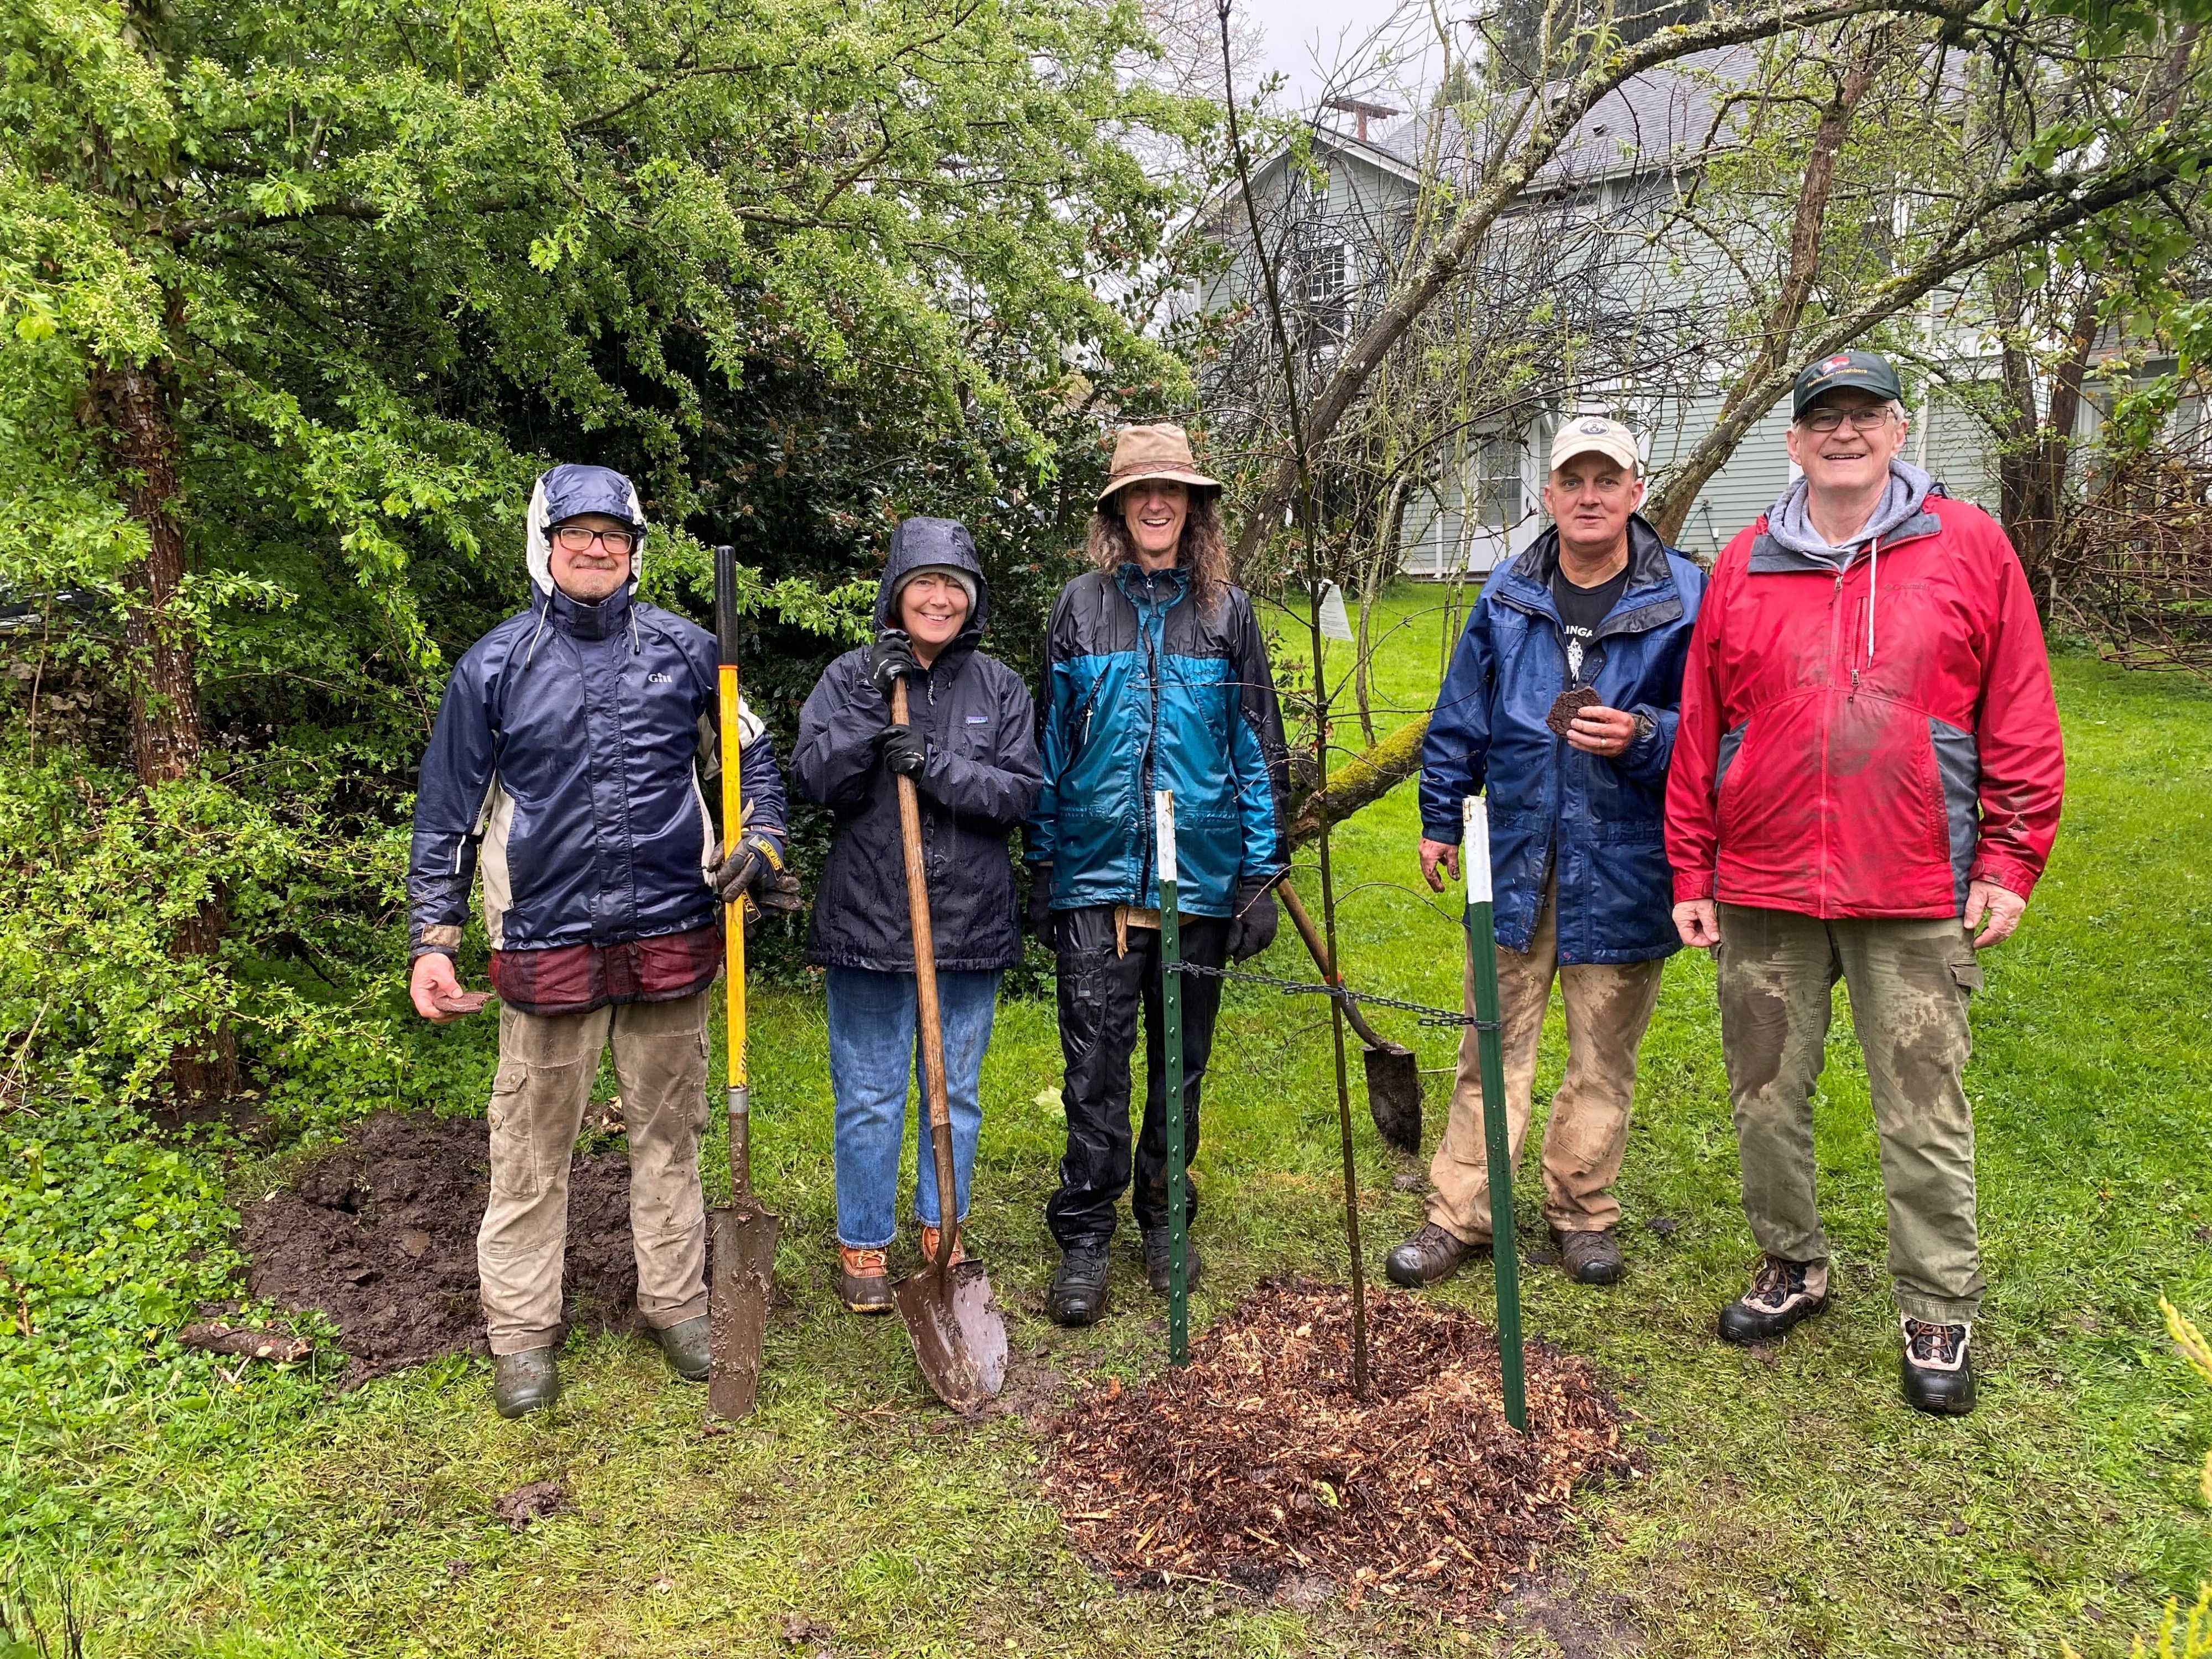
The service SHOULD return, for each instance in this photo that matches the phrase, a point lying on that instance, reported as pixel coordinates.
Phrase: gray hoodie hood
(1902, 498)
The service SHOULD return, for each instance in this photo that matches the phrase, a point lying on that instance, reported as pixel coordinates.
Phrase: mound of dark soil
(382, 1236)
(1256, 1464)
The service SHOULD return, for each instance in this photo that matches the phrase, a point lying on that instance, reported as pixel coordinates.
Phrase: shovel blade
(958, 1334)
(1393, 1095)
(742, 1240)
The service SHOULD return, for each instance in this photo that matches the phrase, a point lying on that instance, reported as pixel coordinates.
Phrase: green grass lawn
(1792, 1504)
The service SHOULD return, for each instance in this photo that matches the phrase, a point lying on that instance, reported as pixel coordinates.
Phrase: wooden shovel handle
(924, 997)
(1319, 951)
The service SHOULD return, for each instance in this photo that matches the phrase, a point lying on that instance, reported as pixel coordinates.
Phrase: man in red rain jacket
(1865, 784)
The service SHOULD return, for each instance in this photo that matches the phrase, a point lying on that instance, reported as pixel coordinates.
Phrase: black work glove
(904, 750)
(1252, 929)
(1038, 920)
(751, 865)
(888, 658)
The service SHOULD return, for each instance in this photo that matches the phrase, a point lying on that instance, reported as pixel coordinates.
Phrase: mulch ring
(1256, 1467)
(381, 1235)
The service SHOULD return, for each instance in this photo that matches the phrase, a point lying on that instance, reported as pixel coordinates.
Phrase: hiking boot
(929, 1238)
(1078, 1295)
(1782, 1294)
(525, 1381)
(1154, 1243)
(1431, 1254)
(1589, 1258)
(864, 1281)
(1937, 1371)
(687, 1346)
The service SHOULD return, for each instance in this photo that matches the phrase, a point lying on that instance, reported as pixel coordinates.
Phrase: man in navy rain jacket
(1562, 699)
(561, 771)
(1156, 678)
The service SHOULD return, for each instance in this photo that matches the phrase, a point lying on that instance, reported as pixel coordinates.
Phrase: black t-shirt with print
(1582, 610)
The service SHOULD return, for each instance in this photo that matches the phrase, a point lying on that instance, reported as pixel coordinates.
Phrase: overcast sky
(1304, 39)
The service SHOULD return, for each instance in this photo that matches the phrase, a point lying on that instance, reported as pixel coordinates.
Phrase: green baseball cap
(1857, 371)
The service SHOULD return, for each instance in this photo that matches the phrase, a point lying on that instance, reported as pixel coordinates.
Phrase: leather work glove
(1039, 918)
(904, 750)
(751, 866)
(1252, 929)
(888, 658)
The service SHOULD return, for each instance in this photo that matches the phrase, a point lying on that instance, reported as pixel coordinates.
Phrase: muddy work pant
(1609, 1006)
(1106, 974)
(547, 1064)
(1909, 980)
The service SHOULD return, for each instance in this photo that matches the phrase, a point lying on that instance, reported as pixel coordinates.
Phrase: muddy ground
(382, 1236)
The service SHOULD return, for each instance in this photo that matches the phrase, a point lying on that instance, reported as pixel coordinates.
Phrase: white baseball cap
(1595, 435)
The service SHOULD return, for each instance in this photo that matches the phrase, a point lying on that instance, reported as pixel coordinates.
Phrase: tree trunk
(1778, 332)
(137, 406)
(2032, 467)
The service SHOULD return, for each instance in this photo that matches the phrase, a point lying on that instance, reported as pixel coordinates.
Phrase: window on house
(1498, 483)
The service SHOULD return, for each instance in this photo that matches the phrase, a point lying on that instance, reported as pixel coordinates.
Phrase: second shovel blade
(958, 1334)
(1393, 1095)
(742, 1240)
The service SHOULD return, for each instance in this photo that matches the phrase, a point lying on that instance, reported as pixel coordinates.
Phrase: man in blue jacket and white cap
(1562, 699)
(561, 770)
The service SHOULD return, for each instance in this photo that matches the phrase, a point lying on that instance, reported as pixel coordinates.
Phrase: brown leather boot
(929, 1239)
(864, 1281)
(1430, 1255)
(1589, 1258)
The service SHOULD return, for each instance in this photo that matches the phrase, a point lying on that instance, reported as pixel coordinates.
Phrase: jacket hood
(920, 542)
(563, 493)
(1790, 524)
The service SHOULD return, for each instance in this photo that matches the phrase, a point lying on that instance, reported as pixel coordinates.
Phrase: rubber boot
(525, 1381)
(688, 1348)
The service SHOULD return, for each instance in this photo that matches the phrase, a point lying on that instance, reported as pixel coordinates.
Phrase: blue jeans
(874, 1052)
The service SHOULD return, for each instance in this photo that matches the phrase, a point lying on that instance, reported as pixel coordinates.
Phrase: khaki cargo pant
(1609, 1007)
(1909, 980)
(547, 1064)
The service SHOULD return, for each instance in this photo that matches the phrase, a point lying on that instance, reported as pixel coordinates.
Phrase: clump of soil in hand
(382, 1236)
(1257, 1465)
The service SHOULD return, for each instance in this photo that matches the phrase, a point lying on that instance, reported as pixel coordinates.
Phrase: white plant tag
(1475, 847)
(1335, 620)
(1164, 826)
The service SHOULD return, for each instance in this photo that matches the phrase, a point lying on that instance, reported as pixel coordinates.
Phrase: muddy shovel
(959, 1337)
(1394, 1073)
(743, 1233)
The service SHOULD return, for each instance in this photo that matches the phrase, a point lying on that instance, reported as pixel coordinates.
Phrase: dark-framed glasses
(578, 538)
(1861, 420)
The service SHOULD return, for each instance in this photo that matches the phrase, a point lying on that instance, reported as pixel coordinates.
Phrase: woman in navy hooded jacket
(969, 747)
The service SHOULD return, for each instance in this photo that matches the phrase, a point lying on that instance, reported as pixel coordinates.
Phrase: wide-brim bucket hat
(1142, 452)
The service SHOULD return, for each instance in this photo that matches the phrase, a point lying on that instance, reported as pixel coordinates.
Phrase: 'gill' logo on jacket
(656, 679)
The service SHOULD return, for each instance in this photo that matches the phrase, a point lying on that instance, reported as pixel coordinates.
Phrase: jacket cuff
(441, 937)
(2014, 876)
(1694, 884)
(1446, 834)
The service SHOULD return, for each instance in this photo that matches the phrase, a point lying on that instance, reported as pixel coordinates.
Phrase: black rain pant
(1100, 992)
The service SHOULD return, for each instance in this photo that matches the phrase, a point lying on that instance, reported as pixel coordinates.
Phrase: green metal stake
(1490, 1046)
(1171, 1100)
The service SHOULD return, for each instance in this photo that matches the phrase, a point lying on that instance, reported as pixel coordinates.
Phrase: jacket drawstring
(1873, 571)
(544, 617)
(636, 649)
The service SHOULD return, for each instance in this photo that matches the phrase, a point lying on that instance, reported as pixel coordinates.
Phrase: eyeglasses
(1861, 420)
(578, 538)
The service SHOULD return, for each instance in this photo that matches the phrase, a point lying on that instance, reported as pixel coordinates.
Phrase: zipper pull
(1854, 697)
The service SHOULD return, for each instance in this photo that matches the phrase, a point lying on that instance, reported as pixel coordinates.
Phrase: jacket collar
(1142, 586)
(590, 621)
(1650, 599)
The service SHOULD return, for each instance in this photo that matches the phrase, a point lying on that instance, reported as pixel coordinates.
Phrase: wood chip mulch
(1256, 1467)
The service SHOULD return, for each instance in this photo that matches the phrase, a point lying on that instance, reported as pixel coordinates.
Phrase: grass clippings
(1256, 1465)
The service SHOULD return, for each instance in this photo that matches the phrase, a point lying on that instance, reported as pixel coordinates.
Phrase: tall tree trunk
(137, 405)
(2031, 466)
(1778, 337)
